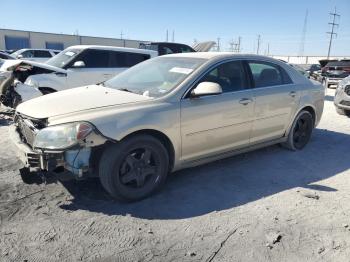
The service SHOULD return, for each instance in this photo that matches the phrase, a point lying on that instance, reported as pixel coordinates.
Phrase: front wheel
(134, 168)
(300, 132)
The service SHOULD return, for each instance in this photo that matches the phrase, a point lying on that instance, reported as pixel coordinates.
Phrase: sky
(279, 22)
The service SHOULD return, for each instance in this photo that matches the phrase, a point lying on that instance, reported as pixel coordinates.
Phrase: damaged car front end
(66, 147)
(15, 86)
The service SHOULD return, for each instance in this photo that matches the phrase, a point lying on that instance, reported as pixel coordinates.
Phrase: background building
(17, 39)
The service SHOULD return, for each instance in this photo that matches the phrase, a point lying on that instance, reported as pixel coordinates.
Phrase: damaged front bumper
(77, 161)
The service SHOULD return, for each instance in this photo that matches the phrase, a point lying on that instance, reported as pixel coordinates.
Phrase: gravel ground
(267, 205)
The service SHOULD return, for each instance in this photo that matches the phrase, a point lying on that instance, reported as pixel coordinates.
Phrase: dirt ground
(267, 205)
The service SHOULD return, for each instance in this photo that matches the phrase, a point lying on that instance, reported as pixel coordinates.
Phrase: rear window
(339, 63)
(42, 53)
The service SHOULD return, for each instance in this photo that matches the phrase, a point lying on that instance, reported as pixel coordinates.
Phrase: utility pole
(257, 49)
(303, 36)
(218, 44)
(332, 33)
(268, 49)
(167, 36)
(121, 35)
(173, 38)
(238, 50)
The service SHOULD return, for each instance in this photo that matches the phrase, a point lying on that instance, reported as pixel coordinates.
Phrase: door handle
(245, 101)
(293, 94)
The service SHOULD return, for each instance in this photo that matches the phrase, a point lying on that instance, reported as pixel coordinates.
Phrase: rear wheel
(134, 168)
(300, 132)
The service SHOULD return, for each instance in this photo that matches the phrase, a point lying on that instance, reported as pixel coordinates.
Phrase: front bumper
(76, 161)
(34, 160)
(333, 82)
(342, 99)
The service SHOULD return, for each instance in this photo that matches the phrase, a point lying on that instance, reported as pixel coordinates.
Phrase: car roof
(114, 48)
(39, 49)
(213, 55)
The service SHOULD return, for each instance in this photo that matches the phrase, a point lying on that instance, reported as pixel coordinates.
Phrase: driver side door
(218, 123)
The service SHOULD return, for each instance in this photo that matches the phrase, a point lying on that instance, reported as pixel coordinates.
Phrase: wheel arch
(308, 108)
(163, 138)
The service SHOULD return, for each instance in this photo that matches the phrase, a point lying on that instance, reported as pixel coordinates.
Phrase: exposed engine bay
(13, 75)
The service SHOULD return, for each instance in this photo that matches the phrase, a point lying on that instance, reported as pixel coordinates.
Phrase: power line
(332, 33)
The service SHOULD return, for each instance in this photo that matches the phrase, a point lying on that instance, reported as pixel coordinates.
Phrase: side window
(94, 58)
(268, 74)
(42, 53)
(230, 76)
(28, 54)
(124, 59)
(133, 58)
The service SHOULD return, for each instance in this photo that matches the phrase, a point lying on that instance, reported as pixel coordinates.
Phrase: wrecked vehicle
(165, 114)
(73, 67)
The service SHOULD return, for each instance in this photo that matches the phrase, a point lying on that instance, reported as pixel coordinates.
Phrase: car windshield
(63, 58)
(155, 77)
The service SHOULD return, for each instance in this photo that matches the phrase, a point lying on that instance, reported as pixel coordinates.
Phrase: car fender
(56, 81)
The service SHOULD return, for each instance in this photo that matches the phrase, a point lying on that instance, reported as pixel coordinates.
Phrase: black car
(165, 48)
(313, 69)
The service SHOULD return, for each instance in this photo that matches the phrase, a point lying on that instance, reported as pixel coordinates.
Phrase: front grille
(27, 128)
(26, 132)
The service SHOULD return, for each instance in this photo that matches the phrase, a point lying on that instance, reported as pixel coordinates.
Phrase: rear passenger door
(276, 99)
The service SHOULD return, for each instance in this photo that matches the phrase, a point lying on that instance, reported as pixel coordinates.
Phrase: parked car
(300, 70)
(314, 70)
(166, 114)
(75, 66)
(334, 72)
(4, 55)
(165, 48)
(342, 97)
(37, 55)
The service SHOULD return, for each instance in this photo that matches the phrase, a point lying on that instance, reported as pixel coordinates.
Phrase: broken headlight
(62, 136)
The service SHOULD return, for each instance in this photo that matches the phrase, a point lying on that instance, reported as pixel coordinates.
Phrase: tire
(341, 111)
(135, 168)
(300, 132)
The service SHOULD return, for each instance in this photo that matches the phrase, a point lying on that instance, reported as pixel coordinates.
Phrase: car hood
(10, 65)
(75, 100)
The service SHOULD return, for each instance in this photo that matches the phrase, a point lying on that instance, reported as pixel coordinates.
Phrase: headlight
(62, 136)
(31, 82)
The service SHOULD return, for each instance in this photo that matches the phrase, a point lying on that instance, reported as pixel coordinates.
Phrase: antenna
(332, 33)
(303, 36)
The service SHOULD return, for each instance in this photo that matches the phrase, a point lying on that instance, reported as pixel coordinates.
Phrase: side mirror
(79, 64)
(206, 88)
(19, 57)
